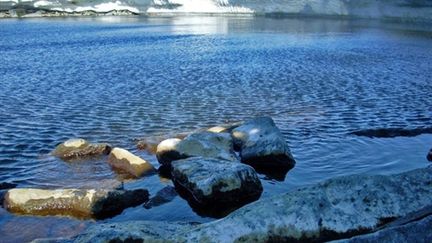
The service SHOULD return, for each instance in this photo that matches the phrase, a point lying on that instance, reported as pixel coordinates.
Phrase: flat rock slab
(262, 145)
(124, 160)
(203, 144)
(79, 148)
(79, 203)
(217, 182)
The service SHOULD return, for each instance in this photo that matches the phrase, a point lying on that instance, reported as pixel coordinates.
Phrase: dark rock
(429, 156)
(165, 195)
(150, 144)
(7, 185)
(392, 132)
(203, 144)
(79, 203)
(262, 145)
(80, 148)
(218, 183)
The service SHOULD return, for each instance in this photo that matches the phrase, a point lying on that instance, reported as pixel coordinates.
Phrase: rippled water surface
(117, 79)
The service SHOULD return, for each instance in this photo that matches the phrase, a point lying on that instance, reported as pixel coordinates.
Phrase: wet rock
(126, 161)
(133, 231)
(80, 148)
(392, 132)
(204, 144)
(429, 156)
(165, 195)
(217, 182)
(227, 128)
(7, 185)
(416, 231)
(79, 203)
(150, 144)
(338, 208)
(262, 145)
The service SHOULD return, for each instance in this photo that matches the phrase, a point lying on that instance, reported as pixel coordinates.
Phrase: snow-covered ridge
(403, 9)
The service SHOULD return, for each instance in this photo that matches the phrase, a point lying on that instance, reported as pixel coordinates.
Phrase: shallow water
(117, 79)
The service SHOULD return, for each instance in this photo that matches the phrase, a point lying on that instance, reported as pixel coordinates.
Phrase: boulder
(126, 161)
(338, 208)
(204, 144)
(262, 145)
(429, 156)
(165, 195)
(218, 183)
(81, 203)
(80, 148)
(150, 143)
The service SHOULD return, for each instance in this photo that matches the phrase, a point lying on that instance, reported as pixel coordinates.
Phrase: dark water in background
(116, 79)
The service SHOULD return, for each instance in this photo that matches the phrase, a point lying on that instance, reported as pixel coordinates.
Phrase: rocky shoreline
(36, 13)
(216, 171)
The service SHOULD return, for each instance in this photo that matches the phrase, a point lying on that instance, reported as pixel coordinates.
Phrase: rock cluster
(339, 208)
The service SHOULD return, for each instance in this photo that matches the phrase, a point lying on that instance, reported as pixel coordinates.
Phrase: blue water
(118, 79)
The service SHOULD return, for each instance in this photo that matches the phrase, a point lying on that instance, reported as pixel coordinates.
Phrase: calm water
(117, 79)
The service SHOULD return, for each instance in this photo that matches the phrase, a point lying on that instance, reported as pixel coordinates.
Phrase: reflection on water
(116, 79)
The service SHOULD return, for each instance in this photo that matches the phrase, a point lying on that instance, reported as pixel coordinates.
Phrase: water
(117, 79)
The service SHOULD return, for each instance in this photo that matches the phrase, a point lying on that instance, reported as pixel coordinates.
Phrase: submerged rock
(126, 161)
(79, 203)
(216, 183)
(79, 148)
(204, 144)
(262, 145)
(392, 132)
(165, 195)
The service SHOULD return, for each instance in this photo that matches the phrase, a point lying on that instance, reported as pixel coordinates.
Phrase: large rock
(79, 203)
(204, 144)
(217, 183)
(262, 145)
(337, 208)
(80, 148)
(165, 195)
(126, 161)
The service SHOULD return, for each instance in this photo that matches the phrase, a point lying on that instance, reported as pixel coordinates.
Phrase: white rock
(126, 161)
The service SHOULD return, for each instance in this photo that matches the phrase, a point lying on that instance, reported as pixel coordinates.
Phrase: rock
(429, 156)
(338, 208)
(224, 127)
(416, 231)
(392, 132)
(204, 144)
(132, 231)
(7, 185)
(218, 183)
(124, 160)
(262, 145)
(335, 209)
(79, 203)
(167, 194)
(79, 148)
(150, 144)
